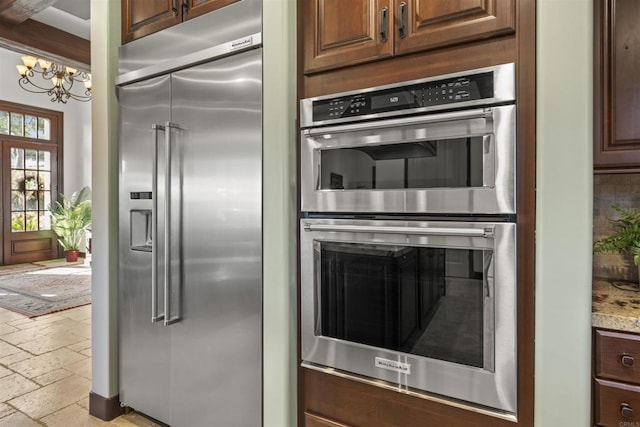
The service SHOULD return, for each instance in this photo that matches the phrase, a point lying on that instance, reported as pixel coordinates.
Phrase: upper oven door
(459, 162)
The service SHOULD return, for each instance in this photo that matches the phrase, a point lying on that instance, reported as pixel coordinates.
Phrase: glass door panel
(419, 300)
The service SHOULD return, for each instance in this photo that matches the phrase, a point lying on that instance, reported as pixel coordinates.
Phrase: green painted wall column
(279, 210)
(105, 39)
(564, 212)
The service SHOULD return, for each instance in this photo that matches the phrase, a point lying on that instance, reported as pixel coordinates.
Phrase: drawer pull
(627, 360)
(626, 410)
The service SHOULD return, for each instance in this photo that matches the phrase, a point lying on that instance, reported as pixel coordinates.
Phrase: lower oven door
(425, 306)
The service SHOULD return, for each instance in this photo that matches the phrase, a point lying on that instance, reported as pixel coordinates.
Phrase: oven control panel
(484, 86)
(427, 94)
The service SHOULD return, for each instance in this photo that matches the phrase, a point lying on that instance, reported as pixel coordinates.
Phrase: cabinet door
(340, 33)
(423, 25)
(143, 17)
(196, 8)
(617, 87)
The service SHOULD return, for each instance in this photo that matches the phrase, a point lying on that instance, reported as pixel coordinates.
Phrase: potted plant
(626, 237)
(70, 217)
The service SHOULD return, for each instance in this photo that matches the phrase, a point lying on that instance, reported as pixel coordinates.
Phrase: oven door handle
(478, 113)
(486, 232)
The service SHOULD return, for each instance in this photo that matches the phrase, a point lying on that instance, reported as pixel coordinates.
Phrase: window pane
(30, 126)
(17, 201)
(32, 221)
(17, 180)
(31, 180)
(44, 198)
(17, 124)
(30, 159)
(17, 158)
(4, 122)
(17, 222)
(45, 221)
(44, 128)
(44, 183)
(32, 200)
(44, 160)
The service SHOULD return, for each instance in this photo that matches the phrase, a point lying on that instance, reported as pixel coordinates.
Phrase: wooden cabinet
(143, 17)
(616, 86)
(312, 420)
(617, 375)
(339, 33)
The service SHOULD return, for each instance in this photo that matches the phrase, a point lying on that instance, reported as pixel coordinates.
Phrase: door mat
(44, 290)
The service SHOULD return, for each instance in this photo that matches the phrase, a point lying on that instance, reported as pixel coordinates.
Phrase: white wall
(564, 212)
(77, 122)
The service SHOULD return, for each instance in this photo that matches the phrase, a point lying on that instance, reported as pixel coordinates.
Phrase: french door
(29, 181)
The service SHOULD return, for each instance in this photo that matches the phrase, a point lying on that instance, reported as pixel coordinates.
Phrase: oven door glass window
(447, 163)
(430, 302)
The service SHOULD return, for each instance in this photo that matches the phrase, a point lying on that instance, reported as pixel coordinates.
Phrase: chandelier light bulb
(44, 64)
(70, 70)
(22, 70)
(29, 61)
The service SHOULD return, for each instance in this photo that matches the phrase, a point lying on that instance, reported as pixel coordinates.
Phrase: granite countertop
(615, 306)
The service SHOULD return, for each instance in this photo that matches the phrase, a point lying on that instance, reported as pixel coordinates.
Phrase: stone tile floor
(45, 371)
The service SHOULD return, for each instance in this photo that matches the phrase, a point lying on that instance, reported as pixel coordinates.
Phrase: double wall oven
(408, 236)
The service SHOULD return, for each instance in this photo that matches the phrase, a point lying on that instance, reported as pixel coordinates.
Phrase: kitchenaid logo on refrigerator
(392, 365)
(241, 43)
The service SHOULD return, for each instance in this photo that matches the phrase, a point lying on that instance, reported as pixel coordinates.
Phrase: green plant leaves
(70, 217)
(626, 238)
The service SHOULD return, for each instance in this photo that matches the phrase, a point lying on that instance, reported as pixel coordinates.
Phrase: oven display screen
(393, 99)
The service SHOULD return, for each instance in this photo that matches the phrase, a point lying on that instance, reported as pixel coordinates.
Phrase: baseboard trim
(104, 408)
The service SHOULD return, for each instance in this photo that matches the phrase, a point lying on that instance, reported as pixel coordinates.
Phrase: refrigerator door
(144, 345)
(216, 346)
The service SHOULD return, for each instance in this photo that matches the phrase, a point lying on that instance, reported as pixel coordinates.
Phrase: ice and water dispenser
(140, 225)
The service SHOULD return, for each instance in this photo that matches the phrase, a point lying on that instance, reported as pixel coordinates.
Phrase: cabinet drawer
(618, 356)
(616, 404)
(312, 420)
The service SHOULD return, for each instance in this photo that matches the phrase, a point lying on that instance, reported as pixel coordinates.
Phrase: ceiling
(72, 16)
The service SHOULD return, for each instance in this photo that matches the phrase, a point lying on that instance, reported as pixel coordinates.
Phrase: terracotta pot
(72, 256)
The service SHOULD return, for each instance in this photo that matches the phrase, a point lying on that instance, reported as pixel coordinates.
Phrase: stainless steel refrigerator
(190, 279)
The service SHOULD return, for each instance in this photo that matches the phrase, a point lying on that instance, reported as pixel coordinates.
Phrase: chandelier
(41, 76)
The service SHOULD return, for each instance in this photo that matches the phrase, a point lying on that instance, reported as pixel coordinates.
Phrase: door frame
(56, 139)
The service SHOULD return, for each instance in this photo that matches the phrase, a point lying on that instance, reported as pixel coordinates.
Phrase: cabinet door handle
(174, 7)
(384, 24)
(626, 360)
(402, 28)
(185, 6)
(626, 410)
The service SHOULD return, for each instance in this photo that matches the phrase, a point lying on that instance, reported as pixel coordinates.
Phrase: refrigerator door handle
(168, 237)
(155, 317)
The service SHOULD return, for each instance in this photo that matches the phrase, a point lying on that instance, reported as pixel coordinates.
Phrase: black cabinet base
(104, 408)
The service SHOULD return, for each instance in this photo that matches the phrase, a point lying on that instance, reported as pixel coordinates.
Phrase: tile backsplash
(613, 189)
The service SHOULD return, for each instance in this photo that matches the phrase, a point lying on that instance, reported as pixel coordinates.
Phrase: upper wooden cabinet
(341, 33)
(436, 23)
(616, 86)
(144, 17)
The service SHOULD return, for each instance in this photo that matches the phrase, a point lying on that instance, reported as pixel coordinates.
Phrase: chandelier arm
(22, 81)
